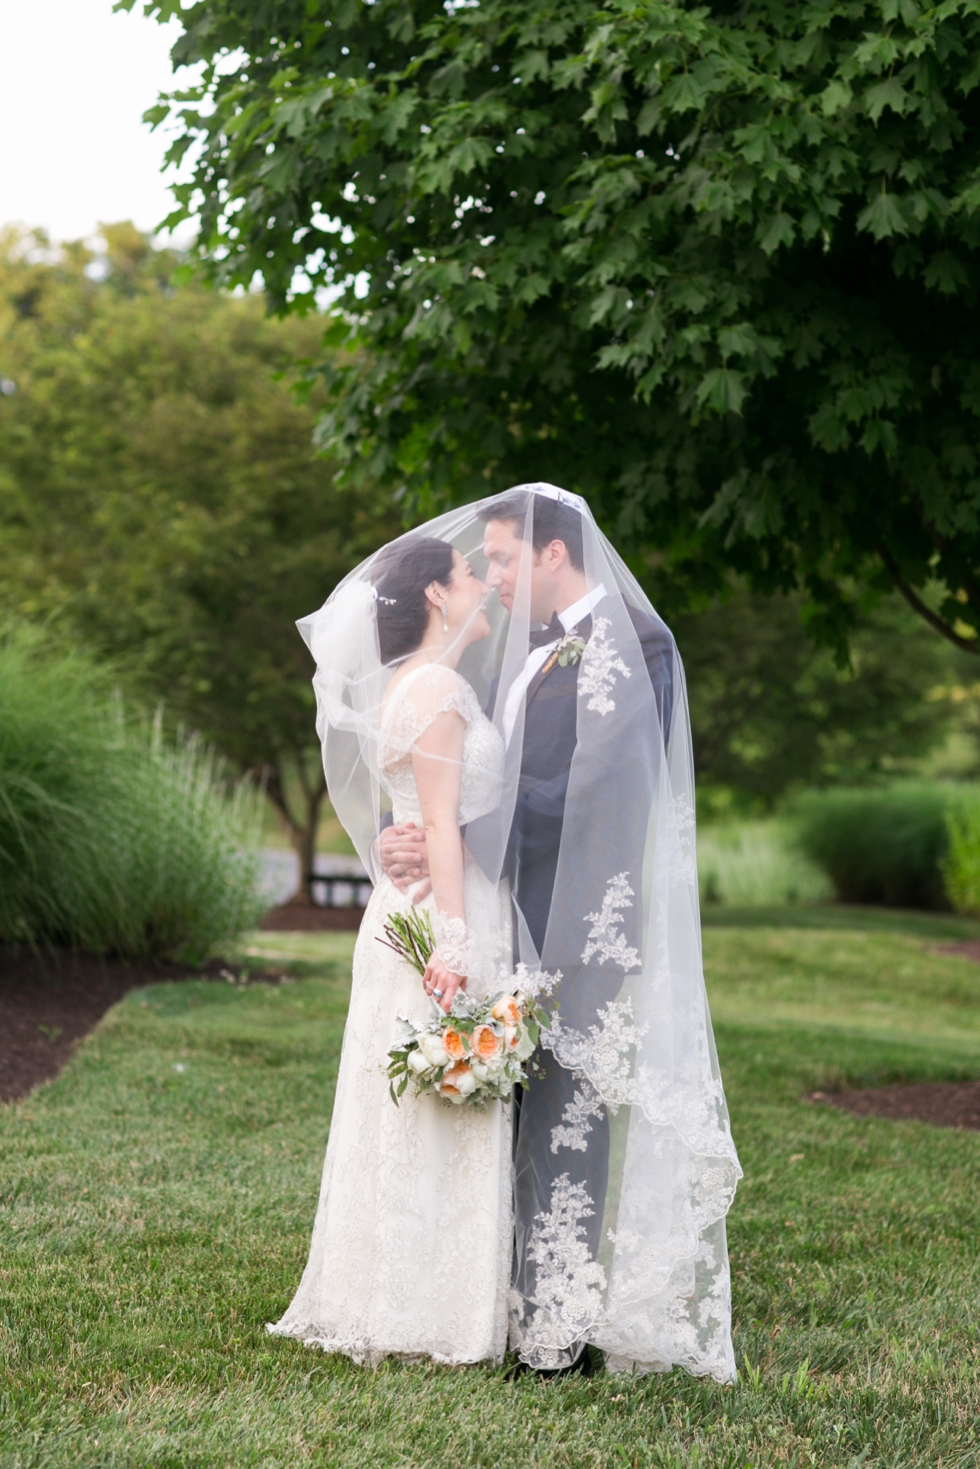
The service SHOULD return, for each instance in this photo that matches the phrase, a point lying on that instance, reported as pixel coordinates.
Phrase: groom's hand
(405, 858)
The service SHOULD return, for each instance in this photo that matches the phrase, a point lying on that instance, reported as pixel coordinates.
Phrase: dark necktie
(551, 633)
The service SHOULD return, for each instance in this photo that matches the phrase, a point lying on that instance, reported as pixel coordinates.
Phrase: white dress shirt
(538, 657)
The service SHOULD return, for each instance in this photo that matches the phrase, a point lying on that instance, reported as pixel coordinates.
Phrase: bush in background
(753, 863)
(885, 845)
(961, 868)
(112, 838)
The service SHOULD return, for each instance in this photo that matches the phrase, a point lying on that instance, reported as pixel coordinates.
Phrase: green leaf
(155, 115)
(883, 217)
(835, 96)
(723, 390)
(946, 273)
(779, 231)
(889, 93)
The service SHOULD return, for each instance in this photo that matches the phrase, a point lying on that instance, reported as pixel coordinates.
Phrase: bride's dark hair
(400, 577)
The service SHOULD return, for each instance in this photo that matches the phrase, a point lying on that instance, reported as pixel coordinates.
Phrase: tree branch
(968, 645)
(942, 544)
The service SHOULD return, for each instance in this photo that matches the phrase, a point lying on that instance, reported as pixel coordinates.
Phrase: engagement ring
(437, 994)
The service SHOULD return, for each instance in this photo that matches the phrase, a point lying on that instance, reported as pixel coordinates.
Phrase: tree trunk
(301, 828)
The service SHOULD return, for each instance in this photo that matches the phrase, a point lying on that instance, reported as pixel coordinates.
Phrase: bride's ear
(435, 595)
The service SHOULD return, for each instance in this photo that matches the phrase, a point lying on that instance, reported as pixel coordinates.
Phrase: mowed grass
(157, 1201)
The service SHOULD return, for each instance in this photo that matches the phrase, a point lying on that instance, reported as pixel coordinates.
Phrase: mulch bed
(970, 949)
(50, 999)
(309, 918)
(943, 1103)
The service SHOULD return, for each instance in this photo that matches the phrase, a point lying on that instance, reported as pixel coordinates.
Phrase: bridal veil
(622, 1194)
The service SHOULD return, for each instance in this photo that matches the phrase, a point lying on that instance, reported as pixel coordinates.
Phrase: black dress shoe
(583, 1366)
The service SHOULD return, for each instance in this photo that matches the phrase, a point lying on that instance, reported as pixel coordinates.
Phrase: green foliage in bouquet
(411, 937)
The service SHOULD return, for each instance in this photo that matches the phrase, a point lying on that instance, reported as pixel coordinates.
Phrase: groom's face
(509, 558)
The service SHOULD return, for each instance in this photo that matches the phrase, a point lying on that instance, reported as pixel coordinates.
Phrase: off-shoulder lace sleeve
(417, 703)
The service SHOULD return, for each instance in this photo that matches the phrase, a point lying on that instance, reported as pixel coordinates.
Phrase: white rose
(433, 1050)
(418, 1062)
(479, 1070)
(524, 1047)
(466, 1084)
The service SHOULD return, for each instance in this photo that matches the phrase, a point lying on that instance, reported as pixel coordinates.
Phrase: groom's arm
(657, 648)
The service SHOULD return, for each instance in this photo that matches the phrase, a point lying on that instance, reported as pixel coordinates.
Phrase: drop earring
(445, 618)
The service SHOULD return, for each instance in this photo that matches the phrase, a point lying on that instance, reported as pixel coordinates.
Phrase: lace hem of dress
(360, 1352)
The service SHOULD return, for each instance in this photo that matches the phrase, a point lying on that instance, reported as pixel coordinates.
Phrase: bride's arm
(437, 761)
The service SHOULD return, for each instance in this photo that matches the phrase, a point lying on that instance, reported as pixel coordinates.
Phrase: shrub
(112, 838)
(961, 869)
(749, 863)
(885, 845)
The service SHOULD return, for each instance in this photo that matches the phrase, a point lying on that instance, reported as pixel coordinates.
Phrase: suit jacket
(550, 738)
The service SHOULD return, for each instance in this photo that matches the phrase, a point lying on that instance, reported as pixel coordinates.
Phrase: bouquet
(473, 1054)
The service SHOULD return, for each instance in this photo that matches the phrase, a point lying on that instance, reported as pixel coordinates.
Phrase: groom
(540, 707)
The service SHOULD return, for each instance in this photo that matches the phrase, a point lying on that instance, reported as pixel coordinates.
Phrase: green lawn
(157, 1202)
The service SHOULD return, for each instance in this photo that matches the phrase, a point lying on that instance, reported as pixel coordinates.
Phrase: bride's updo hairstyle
(400, 578)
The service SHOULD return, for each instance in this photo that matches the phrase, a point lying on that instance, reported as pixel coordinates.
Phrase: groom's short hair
(550, 520)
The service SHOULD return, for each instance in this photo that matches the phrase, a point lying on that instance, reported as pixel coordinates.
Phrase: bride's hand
(438, 978)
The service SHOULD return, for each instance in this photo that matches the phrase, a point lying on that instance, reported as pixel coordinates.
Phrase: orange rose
(458, 1081)
(454, 1044)
(507, 1011)
(485, 1042)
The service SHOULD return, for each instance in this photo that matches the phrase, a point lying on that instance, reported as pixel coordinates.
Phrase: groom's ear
(554, 555)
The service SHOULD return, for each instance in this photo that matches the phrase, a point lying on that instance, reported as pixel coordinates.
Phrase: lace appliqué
(604, 937)
(598, 669)
(534, 983)
(605, 1055)
(575, 1124)
(683, 853)
(455, 949)
(568, 1282)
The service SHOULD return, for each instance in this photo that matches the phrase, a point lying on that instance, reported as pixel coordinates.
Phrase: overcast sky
(74, 81)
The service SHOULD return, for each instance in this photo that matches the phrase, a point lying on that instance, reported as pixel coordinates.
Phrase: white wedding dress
(411, 1248)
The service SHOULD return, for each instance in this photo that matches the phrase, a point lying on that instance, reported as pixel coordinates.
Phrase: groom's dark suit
(550, 736)
(533, 851)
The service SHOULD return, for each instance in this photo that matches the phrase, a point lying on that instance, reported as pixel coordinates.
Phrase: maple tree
(715, 266)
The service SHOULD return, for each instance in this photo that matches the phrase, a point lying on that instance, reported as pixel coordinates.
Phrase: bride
(411, 1250)
(557, 832)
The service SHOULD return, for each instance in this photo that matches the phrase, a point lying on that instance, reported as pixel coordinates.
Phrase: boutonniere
(568, 649)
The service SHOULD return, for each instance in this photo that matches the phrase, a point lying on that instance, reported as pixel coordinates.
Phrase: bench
(360, 889)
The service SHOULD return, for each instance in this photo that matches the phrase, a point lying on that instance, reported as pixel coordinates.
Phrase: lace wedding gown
(411, 1248)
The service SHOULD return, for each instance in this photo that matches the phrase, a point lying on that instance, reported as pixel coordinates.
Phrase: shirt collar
(574, 614)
